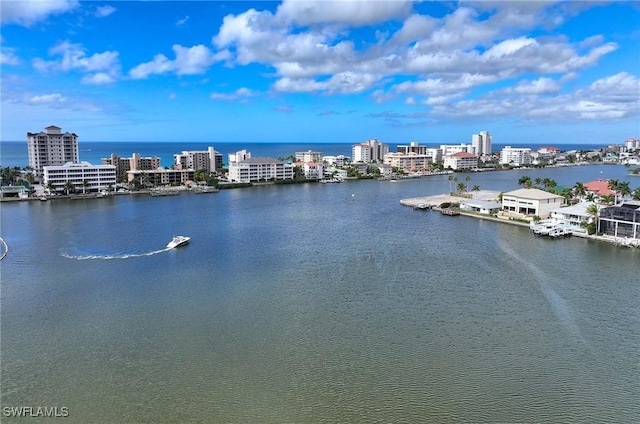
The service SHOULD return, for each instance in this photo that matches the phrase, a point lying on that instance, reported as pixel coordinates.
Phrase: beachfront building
(632, 144)
(409, 162)
(208, 160)
(340, 160)
(312, 170)
(530, 202)
(309, 156)
(450, 149)
(160, 176)
(515, 156)
(461, 160)
(622, 220)
(481, 143)
(413, 147)
(135, 162)
(239, 156)
(51, 147)
(259, 169)
(84, 176)
(369, 151)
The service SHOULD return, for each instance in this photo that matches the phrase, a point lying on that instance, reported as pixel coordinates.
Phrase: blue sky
(322, 71)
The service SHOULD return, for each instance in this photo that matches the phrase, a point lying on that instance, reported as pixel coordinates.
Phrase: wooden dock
(449, 212)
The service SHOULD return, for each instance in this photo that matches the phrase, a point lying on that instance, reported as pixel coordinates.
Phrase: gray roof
(532, 193)
(263, 159)
(484, 204)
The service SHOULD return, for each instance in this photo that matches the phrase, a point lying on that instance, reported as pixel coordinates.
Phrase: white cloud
(47, 99)
(8, 57)
(539, 86)
(345, 12)
(189, 61)
(182, 21)
(28, 12)
(102, 67)
(104, 11)
(241, 94)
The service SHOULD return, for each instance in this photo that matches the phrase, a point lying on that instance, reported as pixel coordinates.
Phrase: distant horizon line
(326, 142)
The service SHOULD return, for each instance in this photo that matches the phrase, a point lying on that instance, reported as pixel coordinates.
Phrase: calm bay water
(315, 304)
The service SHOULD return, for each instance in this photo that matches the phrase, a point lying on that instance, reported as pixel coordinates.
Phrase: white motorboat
(178, 241)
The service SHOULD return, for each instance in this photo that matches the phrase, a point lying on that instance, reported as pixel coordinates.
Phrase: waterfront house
(572, 216)
(312, 170)
(480, 206)
(599, 188)
(409, 162)
(161, 176)
(530, 202)
(622, 220)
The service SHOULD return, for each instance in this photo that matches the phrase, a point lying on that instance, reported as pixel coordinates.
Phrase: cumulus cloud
(478, 39)
(102, 67)
(345, 12)
(29, 12)
(8, 57)
(193, 60)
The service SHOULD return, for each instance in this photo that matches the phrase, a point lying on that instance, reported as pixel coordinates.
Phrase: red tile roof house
(599, 188)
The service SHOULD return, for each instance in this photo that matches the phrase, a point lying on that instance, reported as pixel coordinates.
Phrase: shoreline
(433, 202)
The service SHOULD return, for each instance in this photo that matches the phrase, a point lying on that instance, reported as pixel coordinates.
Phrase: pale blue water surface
(314, 304)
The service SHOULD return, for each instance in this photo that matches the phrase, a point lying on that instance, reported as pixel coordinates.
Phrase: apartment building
(84, 176)
(133, 163)
(369, 151)
(309, 156)
(450, 149)
(481, 143)
(160, 176)
(515, 156)
(259, 169)
(51, 147)
(410, 162)
(461, 160)
(208, 160)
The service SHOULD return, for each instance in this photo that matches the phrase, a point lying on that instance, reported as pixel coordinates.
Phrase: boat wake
(115, 256)
(559, 306)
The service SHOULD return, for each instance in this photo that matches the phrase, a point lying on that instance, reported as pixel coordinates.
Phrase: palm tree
(525, 181)
(613, 186)
(450, 178)
(594, 211)
(467, 179)
(460, 187)
(51, 187)
(538, 181)
(85, 184)
(607, 199)
(591, 197)
(580, 190)
(636, 194)
(476, 188)
(549, 183)
(624, 189)
(68, 187)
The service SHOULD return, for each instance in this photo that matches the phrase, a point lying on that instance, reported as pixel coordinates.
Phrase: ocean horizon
(14, 153)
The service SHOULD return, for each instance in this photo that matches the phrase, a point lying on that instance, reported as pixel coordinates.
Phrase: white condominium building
(208, 160)
(51, 147)
(309, 156)
(369, 151)
(413, 147)
(481, 143)
(239, 156)
(84, 176)
(515, 156)
(449, 149)
(259, 169)
(312, 170)
(461, 160)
